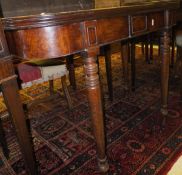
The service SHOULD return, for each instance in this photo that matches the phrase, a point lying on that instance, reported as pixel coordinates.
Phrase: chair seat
(30, 74)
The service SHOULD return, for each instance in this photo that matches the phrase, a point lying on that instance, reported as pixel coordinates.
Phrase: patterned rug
(137, 144)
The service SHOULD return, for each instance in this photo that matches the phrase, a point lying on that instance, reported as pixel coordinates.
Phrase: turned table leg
(12, 100)
(96, 106)
(165, 55)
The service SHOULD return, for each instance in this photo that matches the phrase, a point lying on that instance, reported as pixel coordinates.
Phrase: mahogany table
(51, 35)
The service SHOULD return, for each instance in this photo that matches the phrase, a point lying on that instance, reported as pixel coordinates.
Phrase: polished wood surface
(62, 34)
(46, 42)
(9, 89)
(95, 103)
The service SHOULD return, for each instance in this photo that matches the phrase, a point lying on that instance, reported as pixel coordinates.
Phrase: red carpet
(137, 143)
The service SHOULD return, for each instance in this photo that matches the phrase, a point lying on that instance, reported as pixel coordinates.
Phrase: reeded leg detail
(96, 108)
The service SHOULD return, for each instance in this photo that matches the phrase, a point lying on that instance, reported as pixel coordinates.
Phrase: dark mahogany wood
(12, 100)
(138, 24)
(52, 35)
(71, 68)
(96, 106)
(125, 57)
(46, 42)
(155, 20)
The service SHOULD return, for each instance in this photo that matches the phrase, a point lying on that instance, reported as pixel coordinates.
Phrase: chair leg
(151, 51)
(66, 92)
(147, 50)
(142, 47)
(97, 61)
(51, 87)
(151, 48)
(124, 57)
(71, 68)
(129, 53)
(159, 46)
(3, 141)
(42, 100)
(133, 66)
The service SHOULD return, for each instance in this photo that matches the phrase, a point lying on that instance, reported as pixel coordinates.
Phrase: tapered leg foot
(164, 110)
(103, 165)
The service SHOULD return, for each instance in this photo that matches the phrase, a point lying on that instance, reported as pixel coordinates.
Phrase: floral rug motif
(137, 142)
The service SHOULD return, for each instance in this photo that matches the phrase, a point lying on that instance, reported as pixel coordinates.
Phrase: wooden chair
(30, 73)
(36, 72)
